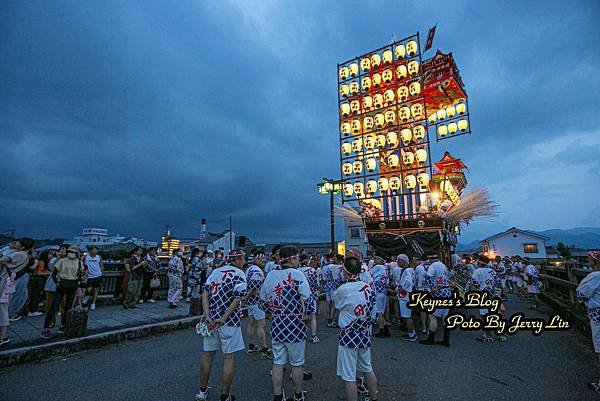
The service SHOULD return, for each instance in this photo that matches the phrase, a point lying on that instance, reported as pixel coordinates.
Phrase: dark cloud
(135, 115)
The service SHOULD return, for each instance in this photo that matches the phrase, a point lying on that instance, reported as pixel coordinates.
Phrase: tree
(564, 251)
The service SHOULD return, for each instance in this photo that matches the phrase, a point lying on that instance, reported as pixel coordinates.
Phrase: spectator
(95, 271)
(18, 300)
(51, 282)
(67, 272)
(194, 274)
(175, 275)
(135, 267)
(36, 284)
(152, 269)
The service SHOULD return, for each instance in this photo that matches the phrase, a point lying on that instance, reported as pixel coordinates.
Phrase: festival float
(391, 104)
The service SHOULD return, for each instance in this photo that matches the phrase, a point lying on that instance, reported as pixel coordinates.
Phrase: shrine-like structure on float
(392, 104)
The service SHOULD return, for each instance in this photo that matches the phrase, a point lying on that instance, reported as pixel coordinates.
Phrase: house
(515, 241)
(223, 241)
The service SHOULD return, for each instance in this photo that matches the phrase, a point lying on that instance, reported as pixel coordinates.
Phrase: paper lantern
(346, 148)
(376, 80)
(357, 145)
(390, 117)
(344, 90)
(432, 118)
(418, 132)
(355, 125)
(353, 88)
(408, 158)
(357, 167)
(355, 106)
(378, 101)
(387, 57)
(369, 142)
(347, 168)
(366, 83)
(371, 164)
(411, 48)
(375, 60)
(404, 114)
(365, 64)
(393, 160)
(344, 73)
(462, 125)
(348, 190)
(392, 139)
(394, 183)
(461, 108)
(381, 139)
(452, 128)
(401, 72)
(441, 114)
(442, 130)
(416, 110)
(388, 97)
(383, 184)
(345, 109)
(346, 128)
(414, 89)
(368, 123)
(410, 182)
(400, 51)
(450, 111)
(421, 155)
(367, 103)
(406, 135)
(358, 188)
(423, 179)
(387, 76)
(371, 186)
(402, 93)
(379, 120)
(353, 69)
(413, 68)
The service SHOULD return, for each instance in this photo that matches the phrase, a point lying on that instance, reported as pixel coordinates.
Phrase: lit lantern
(343, 73)
(389, 97)
(387, 57)
(353, 69)
(418, 132)
(371, 164)
(365, 64)
(358, 188)
(357, 145)
(402, 93)
(348, 190)
(393, 160)
(381, 141)
(411, 48)
(387, 76)
(462, 125)
(369, 142)
(406, 135)
(404, 114)
(375, 60)
(366, 83)
(452, 128)
(378, 100)
(383, 184)
(392, 139)
(355, 106)
(450, 111)
(410, 182)
(344, 90)
(416, 110)
(353, 88)
(347, 168)
(400, 51)
(461, 108)
(408, 158)
(368, 123)
(421, 155)
(357, 167)
(442, 130)
(346, 148)
(345, 109)
(413, 68)
(376, 80)
(355, 125)
(432, 118)
(390, 117)
(401, 72)
(394, 183)
(414, 89)
(346, 128)
(379, 120)
(441, 114)
(423, 179)
(367, 103)
(371, 186)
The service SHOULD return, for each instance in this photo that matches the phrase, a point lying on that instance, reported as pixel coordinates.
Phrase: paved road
(555, 366)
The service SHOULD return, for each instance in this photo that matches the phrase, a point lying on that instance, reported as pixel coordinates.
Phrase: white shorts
(288, 352)
(405, 311)
(595, 335)
(226, 338)
(503, 282)
(533, 289)
(256, 312)
(350, 360)
(329, 295)
(441, 313)
(380, 303)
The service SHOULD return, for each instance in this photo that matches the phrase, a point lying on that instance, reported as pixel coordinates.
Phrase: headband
(594, 255)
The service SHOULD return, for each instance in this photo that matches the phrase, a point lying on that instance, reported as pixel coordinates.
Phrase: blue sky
(132, 115)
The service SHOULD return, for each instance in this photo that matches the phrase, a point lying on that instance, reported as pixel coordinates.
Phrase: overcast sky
(132, 115)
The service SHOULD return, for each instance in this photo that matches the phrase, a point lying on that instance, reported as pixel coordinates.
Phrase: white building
(355, 236)
(513, 242)
(99, 237)
(215, 242)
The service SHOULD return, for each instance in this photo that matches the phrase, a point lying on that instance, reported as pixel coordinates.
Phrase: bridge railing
(114, 275)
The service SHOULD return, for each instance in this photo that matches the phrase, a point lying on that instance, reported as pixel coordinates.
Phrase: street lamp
(331, 187)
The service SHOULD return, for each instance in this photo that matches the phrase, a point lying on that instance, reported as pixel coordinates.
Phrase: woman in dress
(175, 275)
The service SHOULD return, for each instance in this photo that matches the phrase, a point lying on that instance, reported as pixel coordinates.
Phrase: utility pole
(230, 235)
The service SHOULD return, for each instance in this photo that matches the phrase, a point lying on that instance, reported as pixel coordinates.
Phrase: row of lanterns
(392, 160)
(375, 60)
(379, 100)
(443, 130)
(376, 80)
(391, 138)
(447, 112)
(383, 184)
(381, 120)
